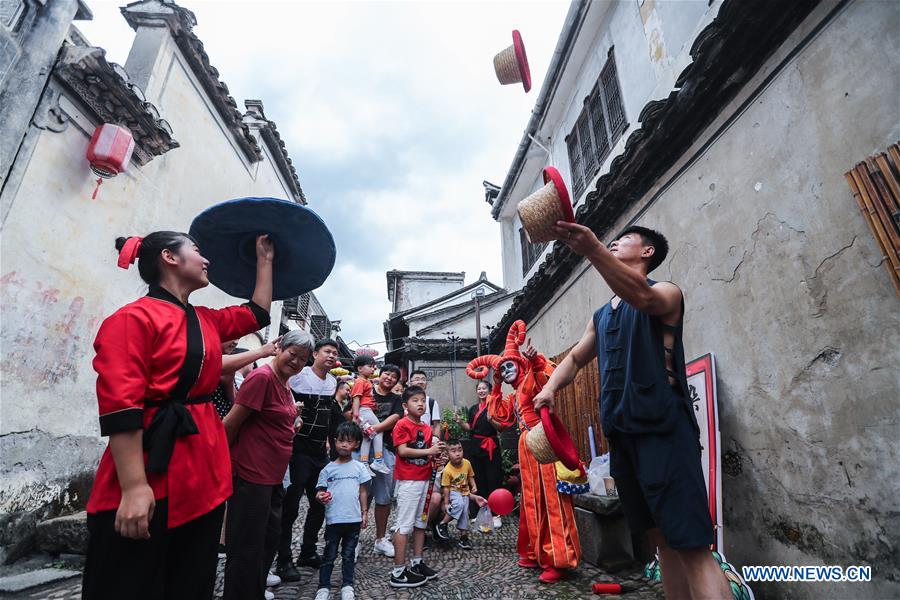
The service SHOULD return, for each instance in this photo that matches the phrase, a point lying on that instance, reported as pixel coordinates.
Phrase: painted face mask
(509, 371)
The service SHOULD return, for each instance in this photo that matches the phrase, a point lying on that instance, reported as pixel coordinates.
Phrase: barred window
(297, 308)
(530, 252)
(319, 327)
(598, 128)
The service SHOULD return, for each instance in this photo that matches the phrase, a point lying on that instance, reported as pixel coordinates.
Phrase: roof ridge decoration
(105, 89)
(180, 22)
(256, 116)
(726, 54)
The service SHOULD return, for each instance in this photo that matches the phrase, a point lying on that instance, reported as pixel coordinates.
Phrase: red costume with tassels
(548, 536)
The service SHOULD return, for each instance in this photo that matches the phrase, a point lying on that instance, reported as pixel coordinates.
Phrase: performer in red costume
(548, 536)
(155, 510)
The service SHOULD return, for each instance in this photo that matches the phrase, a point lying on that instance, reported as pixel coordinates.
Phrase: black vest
(635, 393)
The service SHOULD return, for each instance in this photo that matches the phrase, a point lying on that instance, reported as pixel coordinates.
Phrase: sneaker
(269, 595)
(385, 547)
(380, 467)
(463, 544)
(498, 522)
(313, 561)
(287, 571)
(440, 531)
(407, 579)
(323, 594)
(424, 570)
(272, 580)
(347, 593)
(221, 550)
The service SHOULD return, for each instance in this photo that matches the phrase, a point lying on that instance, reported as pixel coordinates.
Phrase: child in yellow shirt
(458, 486)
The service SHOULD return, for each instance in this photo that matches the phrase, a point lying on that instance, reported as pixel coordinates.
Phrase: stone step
(31, 579)
(64, 535)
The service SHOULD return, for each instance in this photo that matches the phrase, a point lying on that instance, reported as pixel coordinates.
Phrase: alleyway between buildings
(487, 571)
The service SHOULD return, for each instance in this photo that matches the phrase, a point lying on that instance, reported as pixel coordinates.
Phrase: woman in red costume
(155, 510)
(548, 536)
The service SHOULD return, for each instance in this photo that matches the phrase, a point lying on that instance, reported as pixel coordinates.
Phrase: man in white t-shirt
(432, 414)
(314, 388)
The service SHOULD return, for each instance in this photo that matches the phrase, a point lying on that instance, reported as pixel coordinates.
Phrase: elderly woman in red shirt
(260, 429)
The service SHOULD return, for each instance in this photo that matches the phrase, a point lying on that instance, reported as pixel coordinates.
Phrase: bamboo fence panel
(578, 406)
(875, 184)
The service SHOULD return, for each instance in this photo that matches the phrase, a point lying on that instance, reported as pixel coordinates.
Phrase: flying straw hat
(540, 211)
(511, 64)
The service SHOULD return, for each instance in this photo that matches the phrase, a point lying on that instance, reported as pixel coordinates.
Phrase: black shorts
(660, 482)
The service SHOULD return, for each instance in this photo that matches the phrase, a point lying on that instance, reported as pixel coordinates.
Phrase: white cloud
(393, 116)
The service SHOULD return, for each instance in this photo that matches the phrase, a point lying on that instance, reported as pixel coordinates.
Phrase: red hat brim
(560, 440)
(522, 60)
(551, 174)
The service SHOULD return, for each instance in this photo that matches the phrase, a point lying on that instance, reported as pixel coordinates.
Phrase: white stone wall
(59, 275)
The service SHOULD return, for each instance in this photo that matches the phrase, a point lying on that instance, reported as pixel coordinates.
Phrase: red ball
(501, 502)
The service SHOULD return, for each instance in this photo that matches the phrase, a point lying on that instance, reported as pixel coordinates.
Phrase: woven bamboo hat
(511, 64)
(549, 441)
(540, 211)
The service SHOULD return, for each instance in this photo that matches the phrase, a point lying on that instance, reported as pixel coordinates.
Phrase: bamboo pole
(892, 273)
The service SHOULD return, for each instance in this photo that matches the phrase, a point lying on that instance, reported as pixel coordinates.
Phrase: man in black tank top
(645, 407)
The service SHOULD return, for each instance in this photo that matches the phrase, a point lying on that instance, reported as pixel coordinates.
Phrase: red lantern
(367, 352)
(109, 151)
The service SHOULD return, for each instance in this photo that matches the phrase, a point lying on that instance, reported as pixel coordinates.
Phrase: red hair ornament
(129, 252)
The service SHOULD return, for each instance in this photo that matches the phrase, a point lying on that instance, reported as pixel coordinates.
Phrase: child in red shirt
(364, 414)
(413, 471)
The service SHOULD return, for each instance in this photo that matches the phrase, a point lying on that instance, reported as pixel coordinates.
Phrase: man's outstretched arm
(565, 373)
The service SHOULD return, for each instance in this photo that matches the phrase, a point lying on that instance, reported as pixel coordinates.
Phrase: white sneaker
(498, 522)
(347, 593)
(272, 579)
(380, 467)
(269, 595)
(323, 594)
(384, 546)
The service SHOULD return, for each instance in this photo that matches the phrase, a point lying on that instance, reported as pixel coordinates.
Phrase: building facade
(193, 148)
(433, 327)
(729, 127)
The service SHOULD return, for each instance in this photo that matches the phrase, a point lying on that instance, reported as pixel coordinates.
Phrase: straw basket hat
(511, 64)
(540, 211)
(549, 441)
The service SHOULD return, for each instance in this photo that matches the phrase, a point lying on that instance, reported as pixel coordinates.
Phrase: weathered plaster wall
(783, 282)
(414, 291)
(59, 277)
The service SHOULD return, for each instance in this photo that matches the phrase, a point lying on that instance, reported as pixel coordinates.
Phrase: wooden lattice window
(319, 326)
(599, 126)
(297, 308)
(530, 252)
(876, 187)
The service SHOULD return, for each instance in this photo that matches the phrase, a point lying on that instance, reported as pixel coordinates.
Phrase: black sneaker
(313, 561)
(440, 531)
(463, 544)
(287, 571)
(407, 579)
(423, 570)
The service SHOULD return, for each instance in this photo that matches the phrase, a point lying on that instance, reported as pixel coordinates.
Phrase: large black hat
(226, 234)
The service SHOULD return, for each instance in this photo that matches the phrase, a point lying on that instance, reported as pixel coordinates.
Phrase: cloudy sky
(393, 116)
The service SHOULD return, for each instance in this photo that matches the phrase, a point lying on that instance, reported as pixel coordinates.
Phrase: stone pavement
(487, 571)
